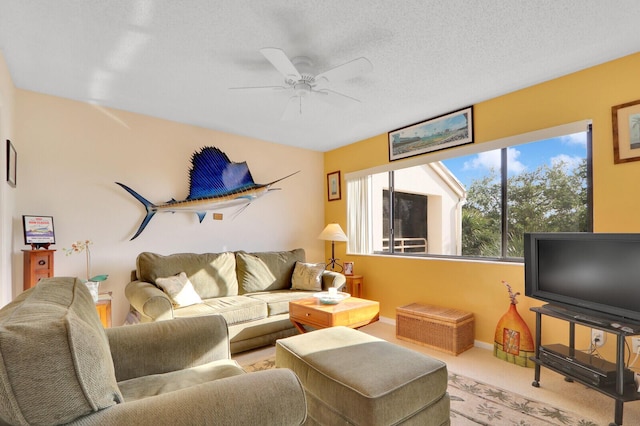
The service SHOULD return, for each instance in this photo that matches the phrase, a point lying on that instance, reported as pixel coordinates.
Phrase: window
(409, 219)
(476, 205)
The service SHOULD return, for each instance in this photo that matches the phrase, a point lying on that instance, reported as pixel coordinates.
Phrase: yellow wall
(476, 286)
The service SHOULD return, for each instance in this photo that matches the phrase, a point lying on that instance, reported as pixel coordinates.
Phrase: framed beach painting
(445, 131)
(626, 132)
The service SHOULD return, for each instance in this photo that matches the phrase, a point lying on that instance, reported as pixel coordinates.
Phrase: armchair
(58, 365)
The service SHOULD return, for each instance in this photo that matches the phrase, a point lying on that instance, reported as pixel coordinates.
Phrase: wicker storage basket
(445, 329)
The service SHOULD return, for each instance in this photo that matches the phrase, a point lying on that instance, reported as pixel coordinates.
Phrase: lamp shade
(333, 232)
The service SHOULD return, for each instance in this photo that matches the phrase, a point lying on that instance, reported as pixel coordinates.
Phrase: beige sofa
(250, 290)
(58, 365)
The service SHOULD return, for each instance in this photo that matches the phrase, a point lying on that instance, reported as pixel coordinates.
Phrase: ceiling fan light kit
(304, 85)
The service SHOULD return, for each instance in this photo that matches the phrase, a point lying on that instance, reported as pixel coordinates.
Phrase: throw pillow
(307, 276)
(179, 289)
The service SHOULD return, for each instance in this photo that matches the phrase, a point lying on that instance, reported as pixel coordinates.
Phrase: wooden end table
(352, 312)
(354, 285)
(103, 306)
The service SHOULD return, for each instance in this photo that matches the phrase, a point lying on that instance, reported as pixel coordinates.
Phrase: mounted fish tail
(214, 183)
(150, 207)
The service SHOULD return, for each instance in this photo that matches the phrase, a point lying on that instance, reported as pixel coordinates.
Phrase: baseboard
(476, 343)
(483, 345)
(387, 320)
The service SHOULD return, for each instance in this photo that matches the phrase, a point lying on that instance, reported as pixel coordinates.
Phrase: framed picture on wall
(333, 186)
(38, 230)
(445, 131)
(626, 132)
(12, 164)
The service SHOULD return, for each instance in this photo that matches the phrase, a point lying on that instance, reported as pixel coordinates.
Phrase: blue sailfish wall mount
(215, 182)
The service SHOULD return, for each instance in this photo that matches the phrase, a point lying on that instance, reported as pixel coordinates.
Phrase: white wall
(71, 153)
(7, 194)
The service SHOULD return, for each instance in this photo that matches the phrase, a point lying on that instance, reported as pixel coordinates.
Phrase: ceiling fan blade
(260, 88)
(281, 62)
(346, 71)
(293, 109)
(335, 98)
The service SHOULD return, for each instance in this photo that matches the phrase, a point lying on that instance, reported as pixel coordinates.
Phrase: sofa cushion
(234, 309)
(266, 271)
(197, 310)
(307, 276)
(70, 366)
(278, 301)
(212, 274)
(179, 289)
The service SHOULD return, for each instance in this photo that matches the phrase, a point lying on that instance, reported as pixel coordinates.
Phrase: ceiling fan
(304, 86)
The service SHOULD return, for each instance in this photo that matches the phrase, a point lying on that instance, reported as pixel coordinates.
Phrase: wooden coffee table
(352, 312)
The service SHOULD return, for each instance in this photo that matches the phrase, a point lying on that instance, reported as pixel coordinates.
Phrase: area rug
(475, 403)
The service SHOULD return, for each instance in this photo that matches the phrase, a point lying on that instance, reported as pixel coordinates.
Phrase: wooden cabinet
(354, 285)
(37, 264)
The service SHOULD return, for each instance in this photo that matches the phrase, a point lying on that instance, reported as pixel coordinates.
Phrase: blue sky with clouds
(570, 149)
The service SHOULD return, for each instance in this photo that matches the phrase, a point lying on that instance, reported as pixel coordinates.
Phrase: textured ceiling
(177, 59)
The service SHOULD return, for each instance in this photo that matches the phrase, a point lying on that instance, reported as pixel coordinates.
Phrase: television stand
(612, 380)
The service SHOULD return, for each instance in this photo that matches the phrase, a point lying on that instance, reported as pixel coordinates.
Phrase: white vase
(94, 288)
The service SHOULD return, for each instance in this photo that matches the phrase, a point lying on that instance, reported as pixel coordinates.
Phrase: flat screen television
(594, 273)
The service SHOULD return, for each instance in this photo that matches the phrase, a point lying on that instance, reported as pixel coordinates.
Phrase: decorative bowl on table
(327, 298)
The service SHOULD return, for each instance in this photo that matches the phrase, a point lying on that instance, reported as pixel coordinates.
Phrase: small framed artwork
(445, 131)
(348, 268)
(38, 231)
(333, 186)
(12, 164)
(626, 132)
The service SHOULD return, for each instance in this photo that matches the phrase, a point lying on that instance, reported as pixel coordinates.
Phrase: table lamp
(333, 232)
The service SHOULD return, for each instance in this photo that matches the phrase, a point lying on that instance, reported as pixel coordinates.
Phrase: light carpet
(475, 403)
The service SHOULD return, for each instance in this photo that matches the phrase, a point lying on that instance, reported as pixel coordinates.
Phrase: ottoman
(352, 378)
